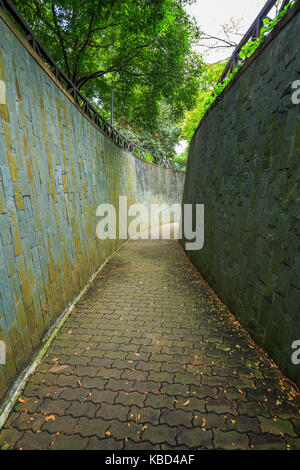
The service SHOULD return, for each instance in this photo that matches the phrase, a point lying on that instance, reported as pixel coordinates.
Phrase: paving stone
(242, 424)
(253, 409)
(159, 401)
(131, 398)
(209, 420)
(50, 406)
(174, 389)
(176, 418)
(77, 409)
(130, 445)
(187, 379)
(144, 415)
(30, 404)
(63, 424)
(285, 411)
(266, 442)
(230, 440)
(10, 436)
(28, 421)
(34, 441)
(104, 444)
(192, 403)
(119, 430)
(202, 391)
(94, 382)
(160, 434)
(101, 362)
(102, 396)
(86, 371)
(69, 443)
(221, 406)
(292, 443)
(146, 387)
(137, 375)
(161, 377)
(195, 438)
(155, 373)
(51, 391)
(91, 427)
(276, 426)
(70, 394)
(119, 385)
(113, 411)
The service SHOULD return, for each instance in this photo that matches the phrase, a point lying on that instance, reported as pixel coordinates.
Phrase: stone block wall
(56, 167)
(244, 166)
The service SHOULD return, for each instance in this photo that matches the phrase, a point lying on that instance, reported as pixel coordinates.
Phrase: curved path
(151, 359)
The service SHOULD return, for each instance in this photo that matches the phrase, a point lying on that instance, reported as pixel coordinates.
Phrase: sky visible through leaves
(215, 13)
(211, 15)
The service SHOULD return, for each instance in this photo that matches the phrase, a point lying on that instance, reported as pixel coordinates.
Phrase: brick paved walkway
(151, 359)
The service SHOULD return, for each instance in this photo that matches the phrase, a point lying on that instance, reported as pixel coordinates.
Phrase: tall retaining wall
(244, 166)
(56, 167)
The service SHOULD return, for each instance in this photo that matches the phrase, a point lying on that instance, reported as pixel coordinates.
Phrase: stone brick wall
(244, 166)
(55, 169)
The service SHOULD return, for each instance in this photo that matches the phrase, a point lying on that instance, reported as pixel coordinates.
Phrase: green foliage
(148, 157)
(181, 160)
(246, 51)
(143, 46)
(159, 139)
(208, 80)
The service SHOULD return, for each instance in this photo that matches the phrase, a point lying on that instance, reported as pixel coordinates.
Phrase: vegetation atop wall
(144, 49)
(246, 52)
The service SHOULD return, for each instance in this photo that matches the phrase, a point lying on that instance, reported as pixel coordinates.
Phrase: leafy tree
(143, 46)
(207, 82)
(159, 140)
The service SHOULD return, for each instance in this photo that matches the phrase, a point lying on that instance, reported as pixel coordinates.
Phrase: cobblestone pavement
(151, 359)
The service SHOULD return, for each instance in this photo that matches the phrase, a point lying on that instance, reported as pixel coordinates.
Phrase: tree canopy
(208, 80)
(145, 47)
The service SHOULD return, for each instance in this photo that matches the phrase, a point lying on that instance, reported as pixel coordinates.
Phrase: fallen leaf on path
(50, 418)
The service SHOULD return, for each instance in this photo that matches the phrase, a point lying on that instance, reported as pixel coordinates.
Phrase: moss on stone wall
(55, 169)
(244, 166)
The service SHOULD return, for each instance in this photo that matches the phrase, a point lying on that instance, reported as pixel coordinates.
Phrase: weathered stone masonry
(244, 166)
(56, 168)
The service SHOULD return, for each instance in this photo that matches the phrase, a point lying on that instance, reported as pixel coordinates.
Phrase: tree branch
(84, 43)
(82, 81)
(61, 40)
(230, 43)
(100, 46)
